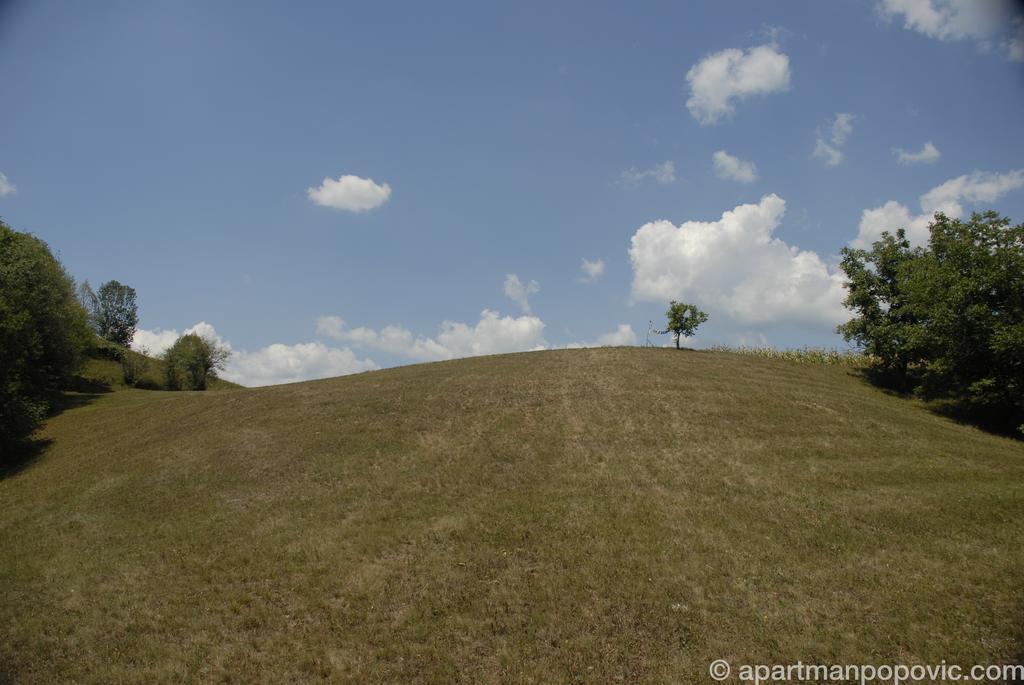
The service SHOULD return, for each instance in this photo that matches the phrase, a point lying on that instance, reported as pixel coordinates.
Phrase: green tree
(948, 318)
(969, 289)
(192, 361)
(113, 311)
(885, 325)
(43, 332)
(683, 320)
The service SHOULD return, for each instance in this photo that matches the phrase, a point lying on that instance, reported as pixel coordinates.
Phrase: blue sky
(183, 148)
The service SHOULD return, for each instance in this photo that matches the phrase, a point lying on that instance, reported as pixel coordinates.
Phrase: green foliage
(134, 365)
(683, 320)
(113, 311)
(43, 332)
(192, 361)
(949, 318)
(885, 325)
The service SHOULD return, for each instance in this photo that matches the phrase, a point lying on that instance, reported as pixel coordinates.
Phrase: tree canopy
(683, 320)
(43, 332)
(113, 311)
(947, 319)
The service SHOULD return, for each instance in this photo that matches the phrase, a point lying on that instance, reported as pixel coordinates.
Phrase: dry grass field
(585, 516)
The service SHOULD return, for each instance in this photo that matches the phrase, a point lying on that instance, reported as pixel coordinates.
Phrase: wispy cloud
(928, 154)
(830, 142)
(733, 168)
(664, 174)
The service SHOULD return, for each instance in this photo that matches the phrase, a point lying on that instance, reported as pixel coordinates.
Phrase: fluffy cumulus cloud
(592, 270)
(492, 334)
(992, 23)
(350, 193)
(270, 365)
(721, 79)
(735, 267)
(830, 141)
(928, 154)
(153, 342)
(6, 187)
(948, 198)
(733, 168)
(664, 174)
(279, 363)
(520, 292)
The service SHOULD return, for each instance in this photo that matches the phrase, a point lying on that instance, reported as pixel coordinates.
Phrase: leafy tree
(43, 332)
(969, 288)
(192, 361)
(885, 325)
(683, 320)
(950, 317)
(113, 312)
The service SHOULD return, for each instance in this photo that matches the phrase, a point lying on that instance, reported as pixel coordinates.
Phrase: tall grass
(804, 355)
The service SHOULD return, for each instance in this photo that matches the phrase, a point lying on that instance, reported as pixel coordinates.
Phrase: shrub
(192, 361)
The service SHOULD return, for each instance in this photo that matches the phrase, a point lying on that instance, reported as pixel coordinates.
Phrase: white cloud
(979, 20)
(721, 79)
(663, 174)
(979, 186)
(154, 342)
(733, 168)
(492, 334)
(520, 292)
(623, 335)
(6, 187)
(270, 365)
(928, 154)
(280, 363)
(736, 268)
(350, 193)
(948, 19)
(592, 270)
(829, 144)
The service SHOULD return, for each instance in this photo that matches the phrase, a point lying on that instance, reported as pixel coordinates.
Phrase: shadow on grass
(18, 456)
(1003, 423)
(16, 459)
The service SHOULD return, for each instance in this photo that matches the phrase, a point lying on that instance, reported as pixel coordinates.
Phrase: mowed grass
(584, 516)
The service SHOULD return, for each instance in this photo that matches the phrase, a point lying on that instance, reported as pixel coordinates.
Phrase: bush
(192, 361)
(134, 365)
(43, 332)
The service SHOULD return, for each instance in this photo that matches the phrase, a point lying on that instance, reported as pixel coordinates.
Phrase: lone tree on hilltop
(683, 320)
(113, 311)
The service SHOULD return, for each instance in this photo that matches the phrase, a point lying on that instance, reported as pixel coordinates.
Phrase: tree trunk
(677, 341)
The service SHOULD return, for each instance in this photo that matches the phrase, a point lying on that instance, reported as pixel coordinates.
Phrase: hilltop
(603, 515)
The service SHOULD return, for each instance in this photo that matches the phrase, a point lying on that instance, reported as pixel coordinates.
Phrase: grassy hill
(613, 515)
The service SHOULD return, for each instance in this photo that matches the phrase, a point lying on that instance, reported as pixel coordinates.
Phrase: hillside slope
(612, 515)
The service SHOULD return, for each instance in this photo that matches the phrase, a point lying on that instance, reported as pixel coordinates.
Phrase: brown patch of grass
(617, 515)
